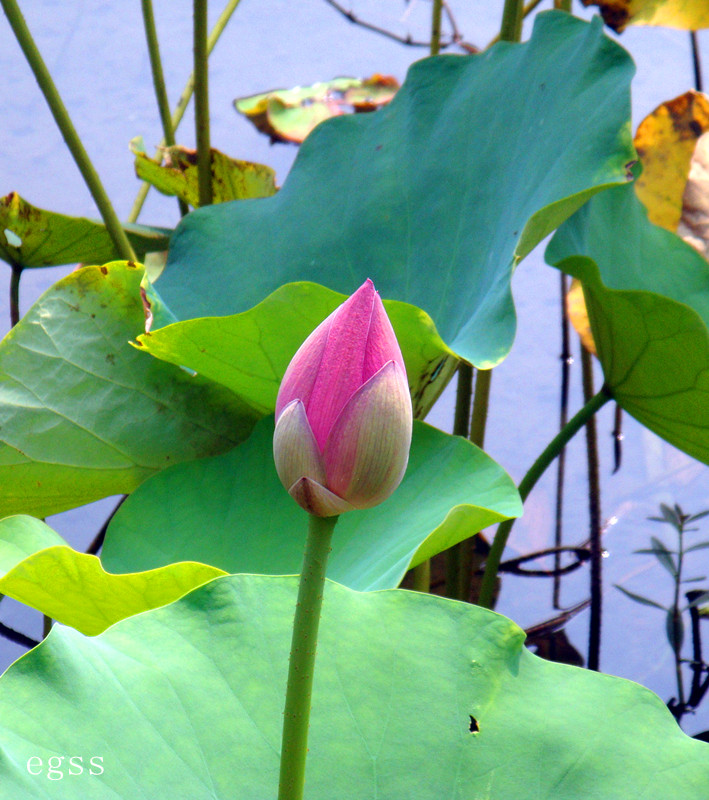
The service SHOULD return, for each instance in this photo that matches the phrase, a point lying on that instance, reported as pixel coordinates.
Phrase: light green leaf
(231, 179)
(647, 294)
(435, 197)
(200, 685)
(39, 569)
(84, 415)
(249, 352)
(33, 237)
(213, 511)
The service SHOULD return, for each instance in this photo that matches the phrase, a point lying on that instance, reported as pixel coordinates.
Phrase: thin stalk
(201, 103)
(526, 485)
(71, 137)
(455, 556)
(594, 509)
(296, 719)
(436, 27)
(528, 8)
(15, 276)
(511, 27)
(696, 63)
(563, 5)
(151, 36)
(563, 419)
(46, 626)
(184, 100)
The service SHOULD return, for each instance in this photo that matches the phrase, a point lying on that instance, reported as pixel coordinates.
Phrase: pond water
(97, 54)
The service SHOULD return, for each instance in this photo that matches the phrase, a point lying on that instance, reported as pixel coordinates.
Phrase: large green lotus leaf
(38, 568)
(436, 196)
(83, 414)
(647, 294)
(249, 352)
(33, 237)
(187, 702)
(232, 511)
(231, 179)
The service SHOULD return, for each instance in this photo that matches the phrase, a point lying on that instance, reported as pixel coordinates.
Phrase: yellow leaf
(578, 316)
(683, 14)
(665, 141)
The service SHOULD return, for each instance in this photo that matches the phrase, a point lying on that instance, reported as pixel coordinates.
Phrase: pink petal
(294, 448)
(300, 375)
(318, 500)
(368, 448)
(342, 362)
(382, 345)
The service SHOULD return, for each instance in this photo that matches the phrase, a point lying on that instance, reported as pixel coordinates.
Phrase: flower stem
(296, 718)
(184, 100)
(159, 82)
(71, 137)
(201, 103)
(527, 484)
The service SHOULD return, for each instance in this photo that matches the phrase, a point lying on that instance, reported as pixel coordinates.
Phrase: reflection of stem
(159, 82)
(563, 419)
(594, 508)
(455, 556)
(184, 100)
(71, 137)
(15, 276)
(201, 103)
(527, 484)
(296, 718)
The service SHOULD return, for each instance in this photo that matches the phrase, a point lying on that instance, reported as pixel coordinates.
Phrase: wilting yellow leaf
(684, 14)
(665, 141)
(578, 316)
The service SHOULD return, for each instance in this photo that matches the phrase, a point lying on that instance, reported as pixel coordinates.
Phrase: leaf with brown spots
(176, 174)
(33, 237)
(684, 14)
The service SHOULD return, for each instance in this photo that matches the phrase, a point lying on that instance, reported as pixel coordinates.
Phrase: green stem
(480, 407)
(15, 276)
(525, 12)
(511, 27)
(201, 103)
(184, 100)
(71, 137)
(46, 626)
(527, 484)
(151, 36)
(436, 27)
(455, 556)
(563, 5)
(296, 718)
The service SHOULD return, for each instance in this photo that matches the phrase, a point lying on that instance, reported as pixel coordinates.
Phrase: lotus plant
(342, 438)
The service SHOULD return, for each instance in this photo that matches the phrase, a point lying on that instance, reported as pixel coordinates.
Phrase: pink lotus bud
(343, 413)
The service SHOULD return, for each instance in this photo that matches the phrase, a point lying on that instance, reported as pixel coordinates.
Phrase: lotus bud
(343, 413)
